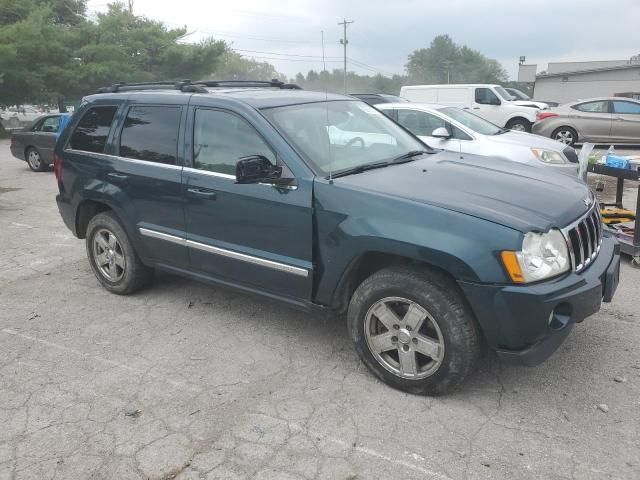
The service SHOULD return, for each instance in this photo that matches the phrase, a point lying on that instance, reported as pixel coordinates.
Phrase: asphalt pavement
(187, 381)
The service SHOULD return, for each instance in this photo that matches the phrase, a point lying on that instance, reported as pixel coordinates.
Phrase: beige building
(564, 82)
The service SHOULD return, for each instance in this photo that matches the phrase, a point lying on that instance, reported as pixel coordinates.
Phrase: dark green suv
(322, 202)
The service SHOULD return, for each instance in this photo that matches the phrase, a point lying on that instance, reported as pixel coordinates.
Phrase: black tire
(519, 124)
(133, 275)
(439, 296)
(566, 135)
(34, 160)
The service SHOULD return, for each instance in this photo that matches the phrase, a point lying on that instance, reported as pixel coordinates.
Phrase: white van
(491, 102)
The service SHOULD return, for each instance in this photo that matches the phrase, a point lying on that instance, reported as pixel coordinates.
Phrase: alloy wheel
(108, 255)
(565, 136)
(34, 159)
(518, 127)
(404, 338)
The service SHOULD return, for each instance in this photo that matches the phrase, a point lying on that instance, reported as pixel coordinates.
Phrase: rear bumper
(17, 151)
(526, 324)
(67, 213)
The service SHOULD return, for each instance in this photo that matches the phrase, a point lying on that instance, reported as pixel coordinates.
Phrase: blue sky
(287, 33)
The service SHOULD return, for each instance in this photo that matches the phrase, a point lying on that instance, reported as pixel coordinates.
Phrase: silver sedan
(613, 120)
(457, 130)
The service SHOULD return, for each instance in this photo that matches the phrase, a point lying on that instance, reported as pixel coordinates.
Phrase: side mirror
(441, 132)
(256, 169)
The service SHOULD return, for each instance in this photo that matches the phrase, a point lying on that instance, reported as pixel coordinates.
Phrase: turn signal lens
(511, 264)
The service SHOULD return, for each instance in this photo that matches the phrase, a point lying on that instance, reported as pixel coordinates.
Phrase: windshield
(518, 94)
(339, 135)
(394, 98)
(469, 120)
(504, 94)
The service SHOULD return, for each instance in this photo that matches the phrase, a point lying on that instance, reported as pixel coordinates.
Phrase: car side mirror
(257, 169)
(441, 132)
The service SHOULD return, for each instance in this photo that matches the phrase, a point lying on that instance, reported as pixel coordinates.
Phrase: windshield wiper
(404, 158)
(407, 157)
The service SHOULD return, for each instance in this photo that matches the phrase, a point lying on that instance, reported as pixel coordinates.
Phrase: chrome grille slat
(584, 238)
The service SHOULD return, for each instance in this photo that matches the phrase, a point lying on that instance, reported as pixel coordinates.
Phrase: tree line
(52, 49)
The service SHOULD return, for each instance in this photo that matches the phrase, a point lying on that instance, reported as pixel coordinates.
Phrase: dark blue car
(322, 202)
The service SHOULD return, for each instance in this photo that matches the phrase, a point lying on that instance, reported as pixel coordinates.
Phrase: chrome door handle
(197, 192)
(118, 177)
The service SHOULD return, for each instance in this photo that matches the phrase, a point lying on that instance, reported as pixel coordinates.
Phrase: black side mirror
(256, 169)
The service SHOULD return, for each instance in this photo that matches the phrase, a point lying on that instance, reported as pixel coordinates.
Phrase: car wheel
(566, 135)
(14, 122)
(519, 125)
(112, 257)
(413, 330)
(34, 160)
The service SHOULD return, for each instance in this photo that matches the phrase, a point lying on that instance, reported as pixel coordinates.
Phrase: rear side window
(91, 133)
(626, 107)
(601, 106)
(151, 134)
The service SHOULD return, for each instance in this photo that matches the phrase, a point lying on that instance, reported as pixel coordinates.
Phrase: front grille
(584, 238)
(571, 154)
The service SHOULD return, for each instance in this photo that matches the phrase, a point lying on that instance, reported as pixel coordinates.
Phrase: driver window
(419, 123)
(220, 139)
(484, 96)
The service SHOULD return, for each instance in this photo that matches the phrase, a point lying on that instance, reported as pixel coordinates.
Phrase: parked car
(16, 117)
(457, 130)
(613, 120)
(428, 253)
(519, 95)
(35, 143)
(490, 102)
(378, 98)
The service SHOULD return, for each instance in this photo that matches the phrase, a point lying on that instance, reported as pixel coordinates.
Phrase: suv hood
(515, 195)
(527, 140)
(531, 103)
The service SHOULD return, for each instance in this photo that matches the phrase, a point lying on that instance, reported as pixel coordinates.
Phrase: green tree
(446, 62)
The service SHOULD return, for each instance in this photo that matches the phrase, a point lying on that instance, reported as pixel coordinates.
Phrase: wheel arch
(86, 210)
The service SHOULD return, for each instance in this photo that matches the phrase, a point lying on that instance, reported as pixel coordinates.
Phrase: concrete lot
(187, 381)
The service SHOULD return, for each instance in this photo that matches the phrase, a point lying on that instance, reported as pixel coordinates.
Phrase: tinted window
(626, 107)
(419, 123)
(459, 134)
(92, 131)
(485, 96)
(594, 107)
(151, 133)
(220, 139)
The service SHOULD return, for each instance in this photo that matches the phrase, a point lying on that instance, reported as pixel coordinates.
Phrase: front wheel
(113, 260)
(412, 329)
(519, 125)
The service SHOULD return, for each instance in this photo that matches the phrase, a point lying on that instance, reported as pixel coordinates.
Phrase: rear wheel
(519, 125)
(34, 160)
(115, 263)
(412, 329)
(566, 135)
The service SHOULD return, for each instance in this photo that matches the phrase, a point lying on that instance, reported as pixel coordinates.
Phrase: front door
(487, 105)
(143, 179)
(422, 124)
(250, 235)
(625, 124)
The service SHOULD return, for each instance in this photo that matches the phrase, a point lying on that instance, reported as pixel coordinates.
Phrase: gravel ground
(191, 382)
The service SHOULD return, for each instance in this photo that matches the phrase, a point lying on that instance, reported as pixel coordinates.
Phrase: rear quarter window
(93, 129)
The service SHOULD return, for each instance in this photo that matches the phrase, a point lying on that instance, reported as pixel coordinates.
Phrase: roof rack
(195, 87)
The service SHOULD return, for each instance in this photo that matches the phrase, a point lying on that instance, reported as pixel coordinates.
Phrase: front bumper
(525, 324)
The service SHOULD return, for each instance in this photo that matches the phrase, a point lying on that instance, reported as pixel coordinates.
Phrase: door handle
(118, 177)
(198, 192)
(465, 108)
(476, 108)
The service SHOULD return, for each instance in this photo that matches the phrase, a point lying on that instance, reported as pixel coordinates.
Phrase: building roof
(627, 66)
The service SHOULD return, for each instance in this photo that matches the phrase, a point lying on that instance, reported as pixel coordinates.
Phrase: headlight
(543, 255)
(548, 156)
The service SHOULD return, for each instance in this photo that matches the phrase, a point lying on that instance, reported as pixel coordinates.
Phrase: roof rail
(249, 83)
(195, 87)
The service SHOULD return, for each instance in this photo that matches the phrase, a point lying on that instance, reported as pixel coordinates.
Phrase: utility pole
(344, 43)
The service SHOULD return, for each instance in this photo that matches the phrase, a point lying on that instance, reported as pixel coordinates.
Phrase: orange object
(511, 264)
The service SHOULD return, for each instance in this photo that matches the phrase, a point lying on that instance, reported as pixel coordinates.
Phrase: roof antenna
(326, 106)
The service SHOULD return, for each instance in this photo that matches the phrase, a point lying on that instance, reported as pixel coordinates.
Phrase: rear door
(592, 120)
(143, 177)
(625, 122)
(252, 235)
(45, 137)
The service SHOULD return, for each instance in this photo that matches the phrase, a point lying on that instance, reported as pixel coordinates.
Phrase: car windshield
(504, 94)
(340, 135)
(518, 94)
(394, 98)
(471, 121)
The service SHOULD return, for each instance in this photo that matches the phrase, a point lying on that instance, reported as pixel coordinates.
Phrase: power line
(283, 54)
(369, 67)
(290, 59)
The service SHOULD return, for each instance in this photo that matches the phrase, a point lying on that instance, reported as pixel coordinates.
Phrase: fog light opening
(560, 316)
